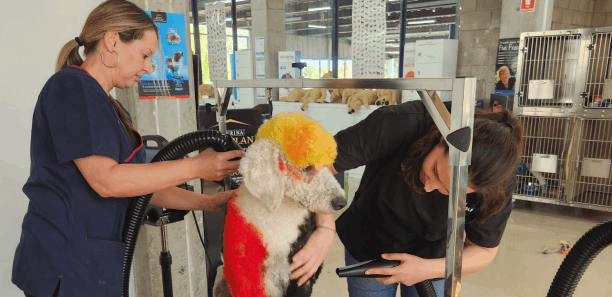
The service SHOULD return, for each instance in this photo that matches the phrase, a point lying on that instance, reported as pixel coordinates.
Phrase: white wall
(32, 34)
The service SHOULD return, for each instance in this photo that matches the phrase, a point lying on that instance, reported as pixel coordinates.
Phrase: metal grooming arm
(456, 128)
(223, 96)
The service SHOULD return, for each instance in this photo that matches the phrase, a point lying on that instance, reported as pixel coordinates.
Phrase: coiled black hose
(425, 289)
(579, 258)
(175, 150)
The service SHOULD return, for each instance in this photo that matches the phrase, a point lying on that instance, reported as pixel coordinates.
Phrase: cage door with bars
(542, 175)
(592, 182)
(547, 72)
(598, 87)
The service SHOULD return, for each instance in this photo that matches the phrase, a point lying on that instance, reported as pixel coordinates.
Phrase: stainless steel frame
(462, 115)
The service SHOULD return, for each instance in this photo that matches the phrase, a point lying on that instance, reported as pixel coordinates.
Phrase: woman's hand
(411, 271)
(308, 260)
(215, 166)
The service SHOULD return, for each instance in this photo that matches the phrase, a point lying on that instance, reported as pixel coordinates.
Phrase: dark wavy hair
(496, 151)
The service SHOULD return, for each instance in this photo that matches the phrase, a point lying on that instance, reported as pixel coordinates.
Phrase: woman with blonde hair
(503, 79)
(85, 157)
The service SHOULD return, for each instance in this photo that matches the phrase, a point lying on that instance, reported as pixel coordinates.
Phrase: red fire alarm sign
(527, 5)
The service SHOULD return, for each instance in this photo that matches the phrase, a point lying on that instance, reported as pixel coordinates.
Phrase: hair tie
(509, 125)
(78, 41)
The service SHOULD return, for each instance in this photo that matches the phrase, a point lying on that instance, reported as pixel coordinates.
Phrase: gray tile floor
(520, 268)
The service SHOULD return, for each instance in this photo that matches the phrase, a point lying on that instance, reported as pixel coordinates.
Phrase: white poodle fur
(277, 204)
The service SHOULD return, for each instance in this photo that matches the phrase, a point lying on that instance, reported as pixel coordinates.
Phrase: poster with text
(506, 66)
(169, 78)
(409, 70)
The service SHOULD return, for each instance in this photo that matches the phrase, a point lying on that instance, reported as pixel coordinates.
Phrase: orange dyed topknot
(302, 140)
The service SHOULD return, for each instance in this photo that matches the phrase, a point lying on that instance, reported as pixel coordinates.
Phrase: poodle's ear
(261, 175)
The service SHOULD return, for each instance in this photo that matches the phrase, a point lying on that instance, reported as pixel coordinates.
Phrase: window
(243, 44)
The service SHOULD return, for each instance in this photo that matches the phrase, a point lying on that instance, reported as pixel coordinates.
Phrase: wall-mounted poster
(169, 78)
(506, 66)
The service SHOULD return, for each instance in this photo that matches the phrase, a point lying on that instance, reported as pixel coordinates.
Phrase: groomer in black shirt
(400, 210)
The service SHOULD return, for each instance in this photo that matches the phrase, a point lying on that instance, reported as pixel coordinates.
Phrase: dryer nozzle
(359, 269)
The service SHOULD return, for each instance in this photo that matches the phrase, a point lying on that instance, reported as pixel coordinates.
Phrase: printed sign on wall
(169, 78)
(506, 66)
(409, 70)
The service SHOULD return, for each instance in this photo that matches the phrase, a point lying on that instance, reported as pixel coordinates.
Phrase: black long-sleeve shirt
(386, 216)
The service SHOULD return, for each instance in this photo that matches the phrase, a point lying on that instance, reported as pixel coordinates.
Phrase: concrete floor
(520, 268)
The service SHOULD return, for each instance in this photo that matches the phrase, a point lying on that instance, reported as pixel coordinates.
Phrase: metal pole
(335, 7)
(165, 260)
(462, 115)
(458, 18)
(402, 39)
(196, 33)
(234, 26)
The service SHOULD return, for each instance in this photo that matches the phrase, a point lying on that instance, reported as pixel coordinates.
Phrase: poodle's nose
(338, 203)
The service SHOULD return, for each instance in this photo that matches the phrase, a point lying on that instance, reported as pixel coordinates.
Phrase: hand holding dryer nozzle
(359, 269)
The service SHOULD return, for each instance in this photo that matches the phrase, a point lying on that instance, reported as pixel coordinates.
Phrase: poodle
(286, 180)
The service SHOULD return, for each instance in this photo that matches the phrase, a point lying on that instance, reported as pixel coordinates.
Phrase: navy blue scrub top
(70, 233)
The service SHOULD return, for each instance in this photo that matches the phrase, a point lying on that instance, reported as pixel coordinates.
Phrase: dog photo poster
(169, 78)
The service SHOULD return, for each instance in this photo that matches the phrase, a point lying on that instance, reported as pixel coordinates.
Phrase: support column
(514, 22)
(169, 118)
(269, 22)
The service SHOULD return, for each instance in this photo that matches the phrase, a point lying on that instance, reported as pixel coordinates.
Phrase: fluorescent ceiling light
(426, 34)
(421, 22)
(293, 19)
(392, 45)
(317, 26)
(228, 19)
(319, 8)
(230, 1)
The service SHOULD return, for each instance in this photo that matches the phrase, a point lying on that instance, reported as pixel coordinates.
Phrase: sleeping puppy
(286, 180)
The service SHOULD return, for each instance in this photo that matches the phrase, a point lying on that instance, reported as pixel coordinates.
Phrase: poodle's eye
(309, 169)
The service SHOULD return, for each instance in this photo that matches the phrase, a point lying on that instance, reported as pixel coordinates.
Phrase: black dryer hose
(425, 289)
(579, 258)
(181, 146)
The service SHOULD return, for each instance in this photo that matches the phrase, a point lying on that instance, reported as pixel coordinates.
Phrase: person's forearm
(129, 180)
(177, 198)
(475, 258)
(326, 221)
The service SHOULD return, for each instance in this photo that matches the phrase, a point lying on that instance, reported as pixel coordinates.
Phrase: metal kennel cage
(542, 175)
(565, 72)
(548, 70)
(598, 86)
(591, 184)
(563, 91)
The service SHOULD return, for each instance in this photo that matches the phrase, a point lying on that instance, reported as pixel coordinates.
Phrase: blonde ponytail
(68, 56)
(122, 16)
